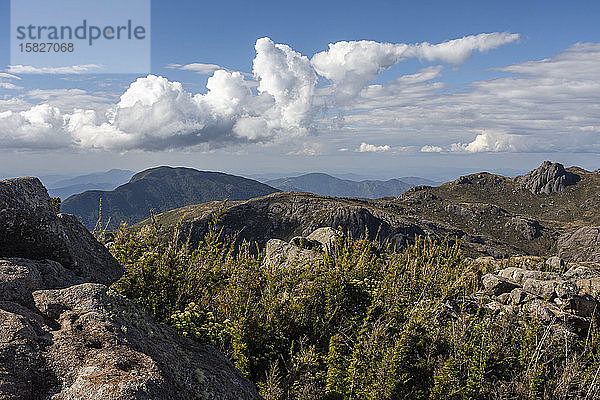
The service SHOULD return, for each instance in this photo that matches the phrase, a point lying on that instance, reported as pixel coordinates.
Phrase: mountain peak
(161, 188)
(548, 178)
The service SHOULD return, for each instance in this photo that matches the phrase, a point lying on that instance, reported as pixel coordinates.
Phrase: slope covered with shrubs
(363, 323)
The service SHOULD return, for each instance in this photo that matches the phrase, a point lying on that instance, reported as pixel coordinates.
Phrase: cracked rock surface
(66, 335)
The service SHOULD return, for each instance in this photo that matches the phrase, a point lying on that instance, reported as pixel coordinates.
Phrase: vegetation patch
(365, 322)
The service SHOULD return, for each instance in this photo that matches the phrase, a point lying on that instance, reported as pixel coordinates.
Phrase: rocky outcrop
(527, 228)
(300, 251)
(571, 298)
(31, 228)
(65, 338)
(547, 178)
(88, 342)
(581, 245)
(286, 215)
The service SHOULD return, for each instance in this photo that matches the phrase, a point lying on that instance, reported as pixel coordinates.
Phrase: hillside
(327, 185)
(161, 189)
(327, 316)
(489, 214)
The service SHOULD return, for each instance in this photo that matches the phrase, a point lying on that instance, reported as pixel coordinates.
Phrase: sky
(378, 89)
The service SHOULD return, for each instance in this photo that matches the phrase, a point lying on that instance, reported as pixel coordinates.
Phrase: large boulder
(547, 178)
(88, 342)
(31, 228)
(64, 338)
(300, 251)
(581, 245)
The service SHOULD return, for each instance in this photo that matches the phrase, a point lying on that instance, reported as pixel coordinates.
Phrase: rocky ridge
(289, 214)
(547, 178)
(68, 336)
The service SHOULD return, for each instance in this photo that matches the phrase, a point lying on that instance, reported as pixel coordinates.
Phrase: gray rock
(547, 178)
(19, 277)
(64, 339)
(555, 262)
(504, 298)
(281, 253)
(300, 250)
(30, 228)
(306, 243)
(106, 347)
(519, 275)
(496, 285)
(326, 236)
(527, 228)
(570, 298)
(581, 245)
(88, 342)
(519, 296)
(566, 289)
(589, 286)
(544, 289)
(579, 272)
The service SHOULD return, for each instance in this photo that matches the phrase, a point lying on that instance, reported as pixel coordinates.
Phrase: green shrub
(363, 323)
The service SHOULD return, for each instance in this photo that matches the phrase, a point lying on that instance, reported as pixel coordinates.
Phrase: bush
(363, 323)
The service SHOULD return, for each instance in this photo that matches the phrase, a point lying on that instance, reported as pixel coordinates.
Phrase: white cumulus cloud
(280, 101)
(490, 141)
(352, 65)
(287, 76)
(35, 128)
(431, 149)
(371, 148)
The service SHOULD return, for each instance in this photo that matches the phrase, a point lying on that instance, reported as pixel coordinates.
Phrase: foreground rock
(31, 228)
(63, 337)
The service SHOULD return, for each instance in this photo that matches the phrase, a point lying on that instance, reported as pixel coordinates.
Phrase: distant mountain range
(327, 185)
(161, 189)
(108, 180)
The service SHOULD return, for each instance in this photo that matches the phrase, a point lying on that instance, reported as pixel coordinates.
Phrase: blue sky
(452, 118)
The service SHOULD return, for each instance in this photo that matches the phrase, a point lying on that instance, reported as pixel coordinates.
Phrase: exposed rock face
(325, 236)
(89, 342)
(571, 298)
(581, 245)
(547, 178)
(527, 228)
(65, 338)
(281, 253)
(287, 215)
(30, 228)
(301, 250)
(496, 285)
(555, 262)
